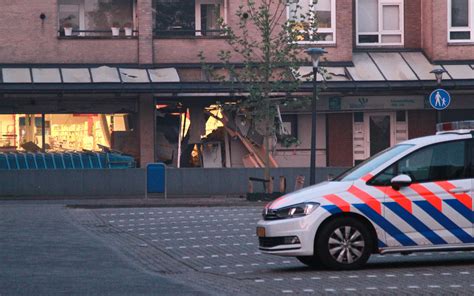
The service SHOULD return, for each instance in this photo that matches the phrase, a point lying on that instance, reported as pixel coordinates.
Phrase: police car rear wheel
(344, 243)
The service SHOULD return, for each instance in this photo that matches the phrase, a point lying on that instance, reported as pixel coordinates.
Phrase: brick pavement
(216, 248)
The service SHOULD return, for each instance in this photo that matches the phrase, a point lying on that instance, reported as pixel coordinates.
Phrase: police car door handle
(458, 190)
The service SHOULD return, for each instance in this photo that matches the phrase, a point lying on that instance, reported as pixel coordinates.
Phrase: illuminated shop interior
(59, 132)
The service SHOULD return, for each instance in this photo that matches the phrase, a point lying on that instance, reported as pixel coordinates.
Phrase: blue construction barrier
(65, 160)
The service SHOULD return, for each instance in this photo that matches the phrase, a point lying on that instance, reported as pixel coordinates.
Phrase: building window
(379, 22)
(188, 18)
(460, 20)
(92, 18)
(299, 10)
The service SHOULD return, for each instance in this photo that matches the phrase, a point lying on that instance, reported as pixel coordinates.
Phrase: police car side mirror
(401, 181)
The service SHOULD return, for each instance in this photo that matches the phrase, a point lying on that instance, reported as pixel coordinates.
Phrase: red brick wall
(24, 38)
(145, 25)
(427, 27)
(344, 32)
(339, 134)
(412, 21)
(435, 34)
(421, 123)
(187, 50)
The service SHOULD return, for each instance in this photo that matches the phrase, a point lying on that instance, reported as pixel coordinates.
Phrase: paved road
(216, 249)
(42, 252)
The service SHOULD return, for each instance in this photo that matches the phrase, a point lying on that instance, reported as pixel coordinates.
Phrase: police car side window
(385, 177)
(445, 161)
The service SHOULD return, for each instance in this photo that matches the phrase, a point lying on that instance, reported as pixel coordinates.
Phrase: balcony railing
(185, 33)
(98, 34)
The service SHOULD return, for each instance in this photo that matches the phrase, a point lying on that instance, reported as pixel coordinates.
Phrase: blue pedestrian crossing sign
(440, 99)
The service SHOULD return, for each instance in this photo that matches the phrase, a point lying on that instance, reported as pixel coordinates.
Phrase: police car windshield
(372, 163)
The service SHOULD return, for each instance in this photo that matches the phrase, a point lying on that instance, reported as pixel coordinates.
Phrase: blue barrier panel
(13, 161)
(4, 165)
(40, 160)
(77, 161)
(59, 161)
(49, 160)
(156, 177)
(65, 160)
(69, 164)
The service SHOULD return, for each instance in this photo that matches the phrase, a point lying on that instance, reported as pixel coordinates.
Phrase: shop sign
(375, 103)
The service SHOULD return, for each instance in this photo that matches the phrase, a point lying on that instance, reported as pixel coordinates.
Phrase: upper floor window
(95, 17)
(299, 10)
(379, 22)
(188, 18)
(460, 17)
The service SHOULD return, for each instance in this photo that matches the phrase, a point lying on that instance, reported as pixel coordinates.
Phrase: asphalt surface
(43, 252)
(216, 249)
(48, 249)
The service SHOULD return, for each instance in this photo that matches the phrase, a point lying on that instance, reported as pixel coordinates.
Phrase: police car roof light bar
(455, 126)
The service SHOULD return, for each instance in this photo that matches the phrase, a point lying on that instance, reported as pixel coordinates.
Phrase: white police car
(415, 196)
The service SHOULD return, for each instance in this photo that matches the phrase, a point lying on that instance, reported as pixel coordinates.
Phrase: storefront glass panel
(61, 132)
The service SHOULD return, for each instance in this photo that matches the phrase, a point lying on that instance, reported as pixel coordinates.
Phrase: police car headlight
(294, 211)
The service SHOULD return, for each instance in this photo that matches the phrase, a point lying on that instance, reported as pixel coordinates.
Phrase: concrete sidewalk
(138, 201)
(196, 201)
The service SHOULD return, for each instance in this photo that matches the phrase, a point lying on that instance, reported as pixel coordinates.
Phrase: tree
(265, 42)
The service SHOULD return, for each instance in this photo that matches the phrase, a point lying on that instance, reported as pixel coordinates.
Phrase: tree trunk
(267, 147)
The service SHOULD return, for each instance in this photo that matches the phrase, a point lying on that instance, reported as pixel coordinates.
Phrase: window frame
(469, 28)
(332, 30)
(380, 32)
(198, 31)
(467, 159)
(82, 26)
(198, 13)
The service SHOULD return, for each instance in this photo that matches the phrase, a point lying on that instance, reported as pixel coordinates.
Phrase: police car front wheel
(344, 243)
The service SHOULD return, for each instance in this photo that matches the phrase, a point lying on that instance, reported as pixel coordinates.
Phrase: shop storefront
(59, 132)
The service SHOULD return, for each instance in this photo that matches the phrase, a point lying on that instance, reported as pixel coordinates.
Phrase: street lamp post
(438, 72)
(315, 54)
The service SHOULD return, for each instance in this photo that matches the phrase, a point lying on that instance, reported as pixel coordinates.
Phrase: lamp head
(315, 53)
(438, 72)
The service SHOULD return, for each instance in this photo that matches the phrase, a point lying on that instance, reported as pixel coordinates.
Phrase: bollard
(282, 184)
(250, 187)
(270, 185)
(299, 182)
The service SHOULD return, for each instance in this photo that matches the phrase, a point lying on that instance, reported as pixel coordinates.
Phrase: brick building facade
(379, 55)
